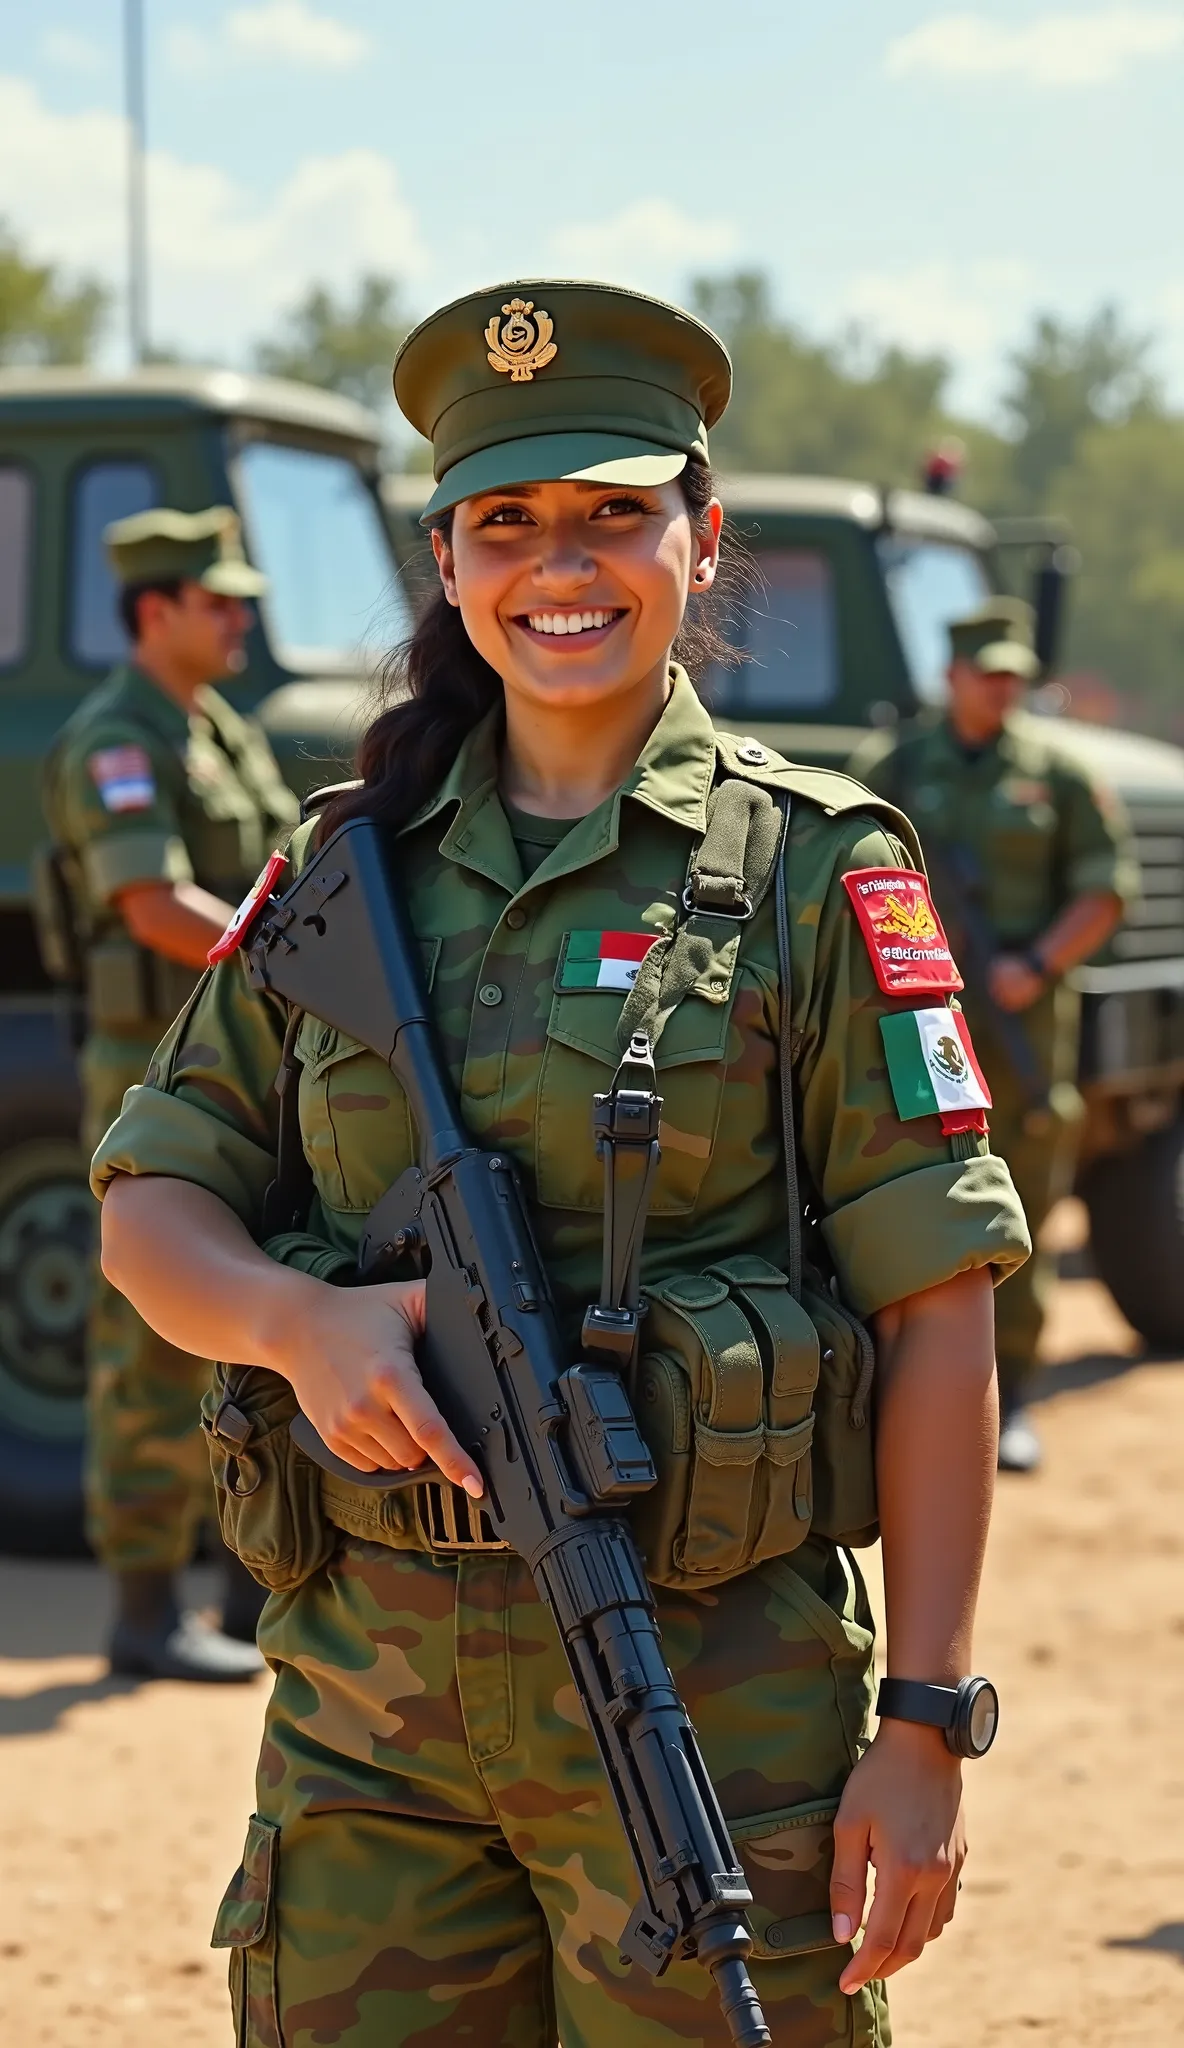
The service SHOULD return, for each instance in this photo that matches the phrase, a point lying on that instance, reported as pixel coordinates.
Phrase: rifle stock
(555, 1440)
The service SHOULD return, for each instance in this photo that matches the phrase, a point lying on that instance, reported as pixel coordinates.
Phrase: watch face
(983, 1719)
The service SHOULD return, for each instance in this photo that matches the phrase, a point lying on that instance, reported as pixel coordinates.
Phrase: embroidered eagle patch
(902, 932)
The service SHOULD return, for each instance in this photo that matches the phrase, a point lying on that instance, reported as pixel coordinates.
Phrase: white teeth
(568, 622)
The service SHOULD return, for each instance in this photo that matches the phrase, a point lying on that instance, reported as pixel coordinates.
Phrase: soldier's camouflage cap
(997, 637)
(549, 378)
(196, 547)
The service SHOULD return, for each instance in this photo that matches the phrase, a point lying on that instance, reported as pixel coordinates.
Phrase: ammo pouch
(268, 1493)
(129, 986)
(754, 1406)
(59, 941)
(724, 1394)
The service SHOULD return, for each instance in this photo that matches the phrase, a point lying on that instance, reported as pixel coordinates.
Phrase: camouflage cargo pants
(147, 1473)
(435, 1859)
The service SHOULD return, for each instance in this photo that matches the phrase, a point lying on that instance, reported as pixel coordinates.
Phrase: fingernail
(842, 1927)
(474, 1488)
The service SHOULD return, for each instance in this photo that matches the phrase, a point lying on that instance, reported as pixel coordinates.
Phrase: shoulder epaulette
(829, 788)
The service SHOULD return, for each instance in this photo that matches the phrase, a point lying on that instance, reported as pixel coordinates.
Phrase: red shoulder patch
(240, 924)
(902, 931)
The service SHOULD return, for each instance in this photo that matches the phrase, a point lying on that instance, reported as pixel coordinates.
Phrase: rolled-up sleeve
(120, 811)
(207, 1111)
(899, 1210)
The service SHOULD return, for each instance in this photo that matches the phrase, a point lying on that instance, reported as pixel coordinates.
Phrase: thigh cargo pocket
(788, 1857)
(245, 1924)
(725, 1391)
(268, 1494)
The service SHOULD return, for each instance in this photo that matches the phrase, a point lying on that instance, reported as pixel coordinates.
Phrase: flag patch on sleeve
(256, 896)
(933, 1068)
(902, 932)
(123, 777)
(603, 959)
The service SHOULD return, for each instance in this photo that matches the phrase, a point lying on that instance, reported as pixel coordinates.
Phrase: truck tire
(48, 1220)
(1136, 1214)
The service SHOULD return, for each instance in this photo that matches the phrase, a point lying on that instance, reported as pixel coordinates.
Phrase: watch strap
(912, 1699)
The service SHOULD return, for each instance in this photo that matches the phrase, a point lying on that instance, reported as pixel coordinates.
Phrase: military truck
(77, 451)
(848, 629)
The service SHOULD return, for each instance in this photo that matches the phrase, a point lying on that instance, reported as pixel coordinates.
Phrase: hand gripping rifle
(555, 1441)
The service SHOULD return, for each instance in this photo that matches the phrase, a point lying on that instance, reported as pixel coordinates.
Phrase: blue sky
(935, 173)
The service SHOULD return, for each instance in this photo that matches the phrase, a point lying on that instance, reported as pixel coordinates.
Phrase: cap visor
(556, 458)
(1008, 658)
(233, 579)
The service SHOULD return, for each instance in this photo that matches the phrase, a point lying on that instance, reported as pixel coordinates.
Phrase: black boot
(151, 1638)
(242, 1600)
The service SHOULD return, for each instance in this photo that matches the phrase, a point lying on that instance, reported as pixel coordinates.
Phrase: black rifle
(959, 881)
(555, 1441)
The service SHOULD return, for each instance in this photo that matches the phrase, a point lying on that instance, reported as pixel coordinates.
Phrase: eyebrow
(588, 487)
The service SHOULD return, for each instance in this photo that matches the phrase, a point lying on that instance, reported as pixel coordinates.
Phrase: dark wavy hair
(435, 687)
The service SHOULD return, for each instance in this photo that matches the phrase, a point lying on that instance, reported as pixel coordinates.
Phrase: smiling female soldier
(435, 1858)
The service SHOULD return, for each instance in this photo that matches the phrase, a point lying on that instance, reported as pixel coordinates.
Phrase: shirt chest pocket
(224, 830)
(579, 1061)
(354, 1118)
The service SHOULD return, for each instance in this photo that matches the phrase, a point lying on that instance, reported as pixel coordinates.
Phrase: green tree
(1067, 380)
(43, 319)
(341, 344)
(848, 407)
(1123, 494)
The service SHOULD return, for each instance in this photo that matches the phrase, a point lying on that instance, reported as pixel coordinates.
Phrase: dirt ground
(122, 1809)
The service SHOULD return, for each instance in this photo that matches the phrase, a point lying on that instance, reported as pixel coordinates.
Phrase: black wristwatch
(967, 1713)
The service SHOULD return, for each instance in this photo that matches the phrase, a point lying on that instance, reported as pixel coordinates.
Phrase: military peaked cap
(546, 378)
(194, 547)
(997, 637)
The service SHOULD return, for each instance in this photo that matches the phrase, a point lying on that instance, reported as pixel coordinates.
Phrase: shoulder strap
(287, 1201)
(785, 1062)
(728, 878)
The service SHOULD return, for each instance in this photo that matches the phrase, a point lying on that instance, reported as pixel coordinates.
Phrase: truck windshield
(316, 532)
(788, 631)
(929, 583)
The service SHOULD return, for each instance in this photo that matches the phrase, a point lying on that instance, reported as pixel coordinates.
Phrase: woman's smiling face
(574, 592)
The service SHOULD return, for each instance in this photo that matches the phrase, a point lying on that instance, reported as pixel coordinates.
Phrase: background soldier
(1031, 868)
(163, 804)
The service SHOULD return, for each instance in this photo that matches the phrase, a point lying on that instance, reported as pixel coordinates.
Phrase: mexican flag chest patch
(933, 1068)
(602, 959)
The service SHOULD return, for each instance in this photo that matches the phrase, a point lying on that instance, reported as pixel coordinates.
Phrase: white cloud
(72, 52)
(649, 244)
(288, 29)
(272, 32)
(1054, 49)
(223, 262)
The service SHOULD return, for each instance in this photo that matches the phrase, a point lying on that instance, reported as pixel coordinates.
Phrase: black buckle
(739, 915)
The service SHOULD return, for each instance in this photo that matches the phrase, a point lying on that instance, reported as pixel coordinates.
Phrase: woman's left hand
(901, 1812)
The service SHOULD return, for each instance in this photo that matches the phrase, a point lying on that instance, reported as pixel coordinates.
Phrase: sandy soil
(122, 1809)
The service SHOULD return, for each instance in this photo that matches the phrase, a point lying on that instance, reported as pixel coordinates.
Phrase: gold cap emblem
(521, 342)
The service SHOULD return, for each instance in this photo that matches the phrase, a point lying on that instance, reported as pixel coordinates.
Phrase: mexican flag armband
(933, 1069)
